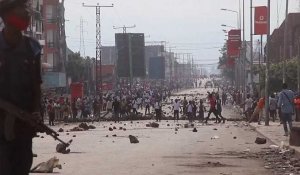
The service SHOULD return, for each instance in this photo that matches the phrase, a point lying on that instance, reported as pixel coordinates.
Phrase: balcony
(51, 20)
(50, 44)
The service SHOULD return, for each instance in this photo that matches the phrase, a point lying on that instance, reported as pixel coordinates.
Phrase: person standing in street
(224, 98)
(285, 102)
(185, 103)
(158, 110)
(258, 111)
(212, 109)
(201, 111)
(273, 107)
(297, 107)
(147, 105)
(248, 107)
(176, 107)
(134, 106)
(117, 108)
(109, 106)
(20, 80)
(219, 108)
(190, 111)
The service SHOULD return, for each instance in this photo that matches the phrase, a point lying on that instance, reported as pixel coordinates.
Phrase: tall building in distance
(48, 27)
(55, 48)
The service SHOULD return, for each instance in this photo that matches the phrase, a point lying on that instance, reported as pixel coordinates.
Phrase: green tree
(226, 72)
(75, 67)
(276, 75)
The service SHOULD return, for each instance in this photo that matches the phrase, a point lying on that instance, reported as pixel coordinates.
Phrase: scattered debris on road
(133, 139)
(259, 140)
(62, 148)
(47, 167)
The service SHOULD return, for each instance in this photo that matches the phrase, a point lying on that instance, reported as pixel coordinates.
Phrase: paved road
(160, 151)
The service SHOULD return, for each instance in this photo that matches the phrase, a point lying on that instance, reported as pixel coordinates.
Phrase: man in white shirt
(147, 103)
(134, 106)
(139, 103)
(190, 111)
(248, 106)
(158, 110)
(176, 108)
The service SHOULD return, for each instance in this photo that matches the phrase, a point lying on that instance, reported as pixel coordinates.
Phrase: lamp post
(238, 67)
(224, 25)
(237, 15)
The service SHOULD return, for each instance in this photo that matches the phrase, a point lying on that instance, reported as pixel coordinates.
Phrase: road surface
(224, 149)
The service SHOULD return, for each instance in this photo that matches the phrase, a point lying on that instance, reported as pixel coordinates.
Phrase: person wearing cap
(20, 81)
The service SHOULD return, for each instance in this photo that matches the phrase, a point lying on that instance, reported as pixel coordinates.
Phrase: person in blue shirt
(285, 103)
(20, 81)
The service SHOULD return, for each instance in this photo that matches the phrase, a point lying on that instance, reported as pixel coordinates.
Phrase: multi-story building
(55, 47)
(35, 29)
(47, 26)
(293, 39)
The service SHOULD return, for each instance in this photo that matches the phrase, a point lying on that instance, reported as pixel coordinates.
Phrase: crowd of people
(282, 106)
(121, 103)
(125, 102)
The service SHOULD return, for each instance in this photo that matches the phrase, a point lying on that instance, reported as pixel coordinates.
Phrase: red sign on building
(261, 20)
(234, 43)
(76, 90)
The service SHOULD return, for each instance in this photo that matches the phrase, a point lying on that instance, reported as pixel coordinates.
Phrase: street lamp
(223, 25)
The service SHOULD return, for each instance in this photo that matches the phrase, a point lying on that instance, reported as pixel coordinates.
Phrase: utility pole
(251, 45)
(98, 49)
(124, 28)
(298, 66)
(267, 66)
(98, 44)
(82, 45)
(244, 50)
(129, 51)
(285, 44)
(171, 64)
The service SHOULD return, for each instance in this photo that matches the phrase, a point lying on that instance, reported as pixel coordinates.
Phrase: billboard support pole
(285, 43)
(251, 45)
(130, 61)
(267, 68)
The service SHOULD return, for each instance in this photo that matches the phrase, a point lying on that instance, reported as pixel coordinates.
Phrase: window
(50, 17)
(50, 38)
(50, 59)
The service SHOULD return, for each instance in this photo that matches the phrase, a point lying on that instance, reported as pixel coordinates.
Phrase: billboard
(76, 90)
(157, 68)
(54, 80)
(134, 44)
(261, 20)
(234, 43)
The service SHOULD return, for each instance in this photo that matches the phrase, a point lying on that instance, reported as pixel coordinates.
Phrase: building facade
(276, 44)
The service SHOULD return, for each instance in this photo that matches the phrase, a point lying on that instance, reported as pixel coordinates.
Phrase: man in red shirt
(212, 109)
(258, 110)
(297, 107)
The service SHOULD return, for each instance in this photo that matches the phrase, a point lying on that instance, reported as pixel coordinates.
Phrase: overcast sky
(192, 26)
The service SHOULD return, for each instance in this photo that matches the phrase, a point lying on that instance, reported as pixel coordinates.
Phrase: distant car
(208, 84)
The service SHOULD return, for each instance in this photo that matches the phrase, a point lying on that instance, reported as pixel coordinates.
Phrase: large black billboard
(134, 45)
(157, 68)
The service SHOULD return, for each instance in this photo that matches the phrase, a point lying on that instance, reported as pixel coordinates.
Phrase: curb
(262, 134)
(297, 152)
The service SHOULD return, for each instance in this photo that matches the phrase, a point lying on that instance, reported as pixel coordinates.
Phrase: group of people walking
(190, 109)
